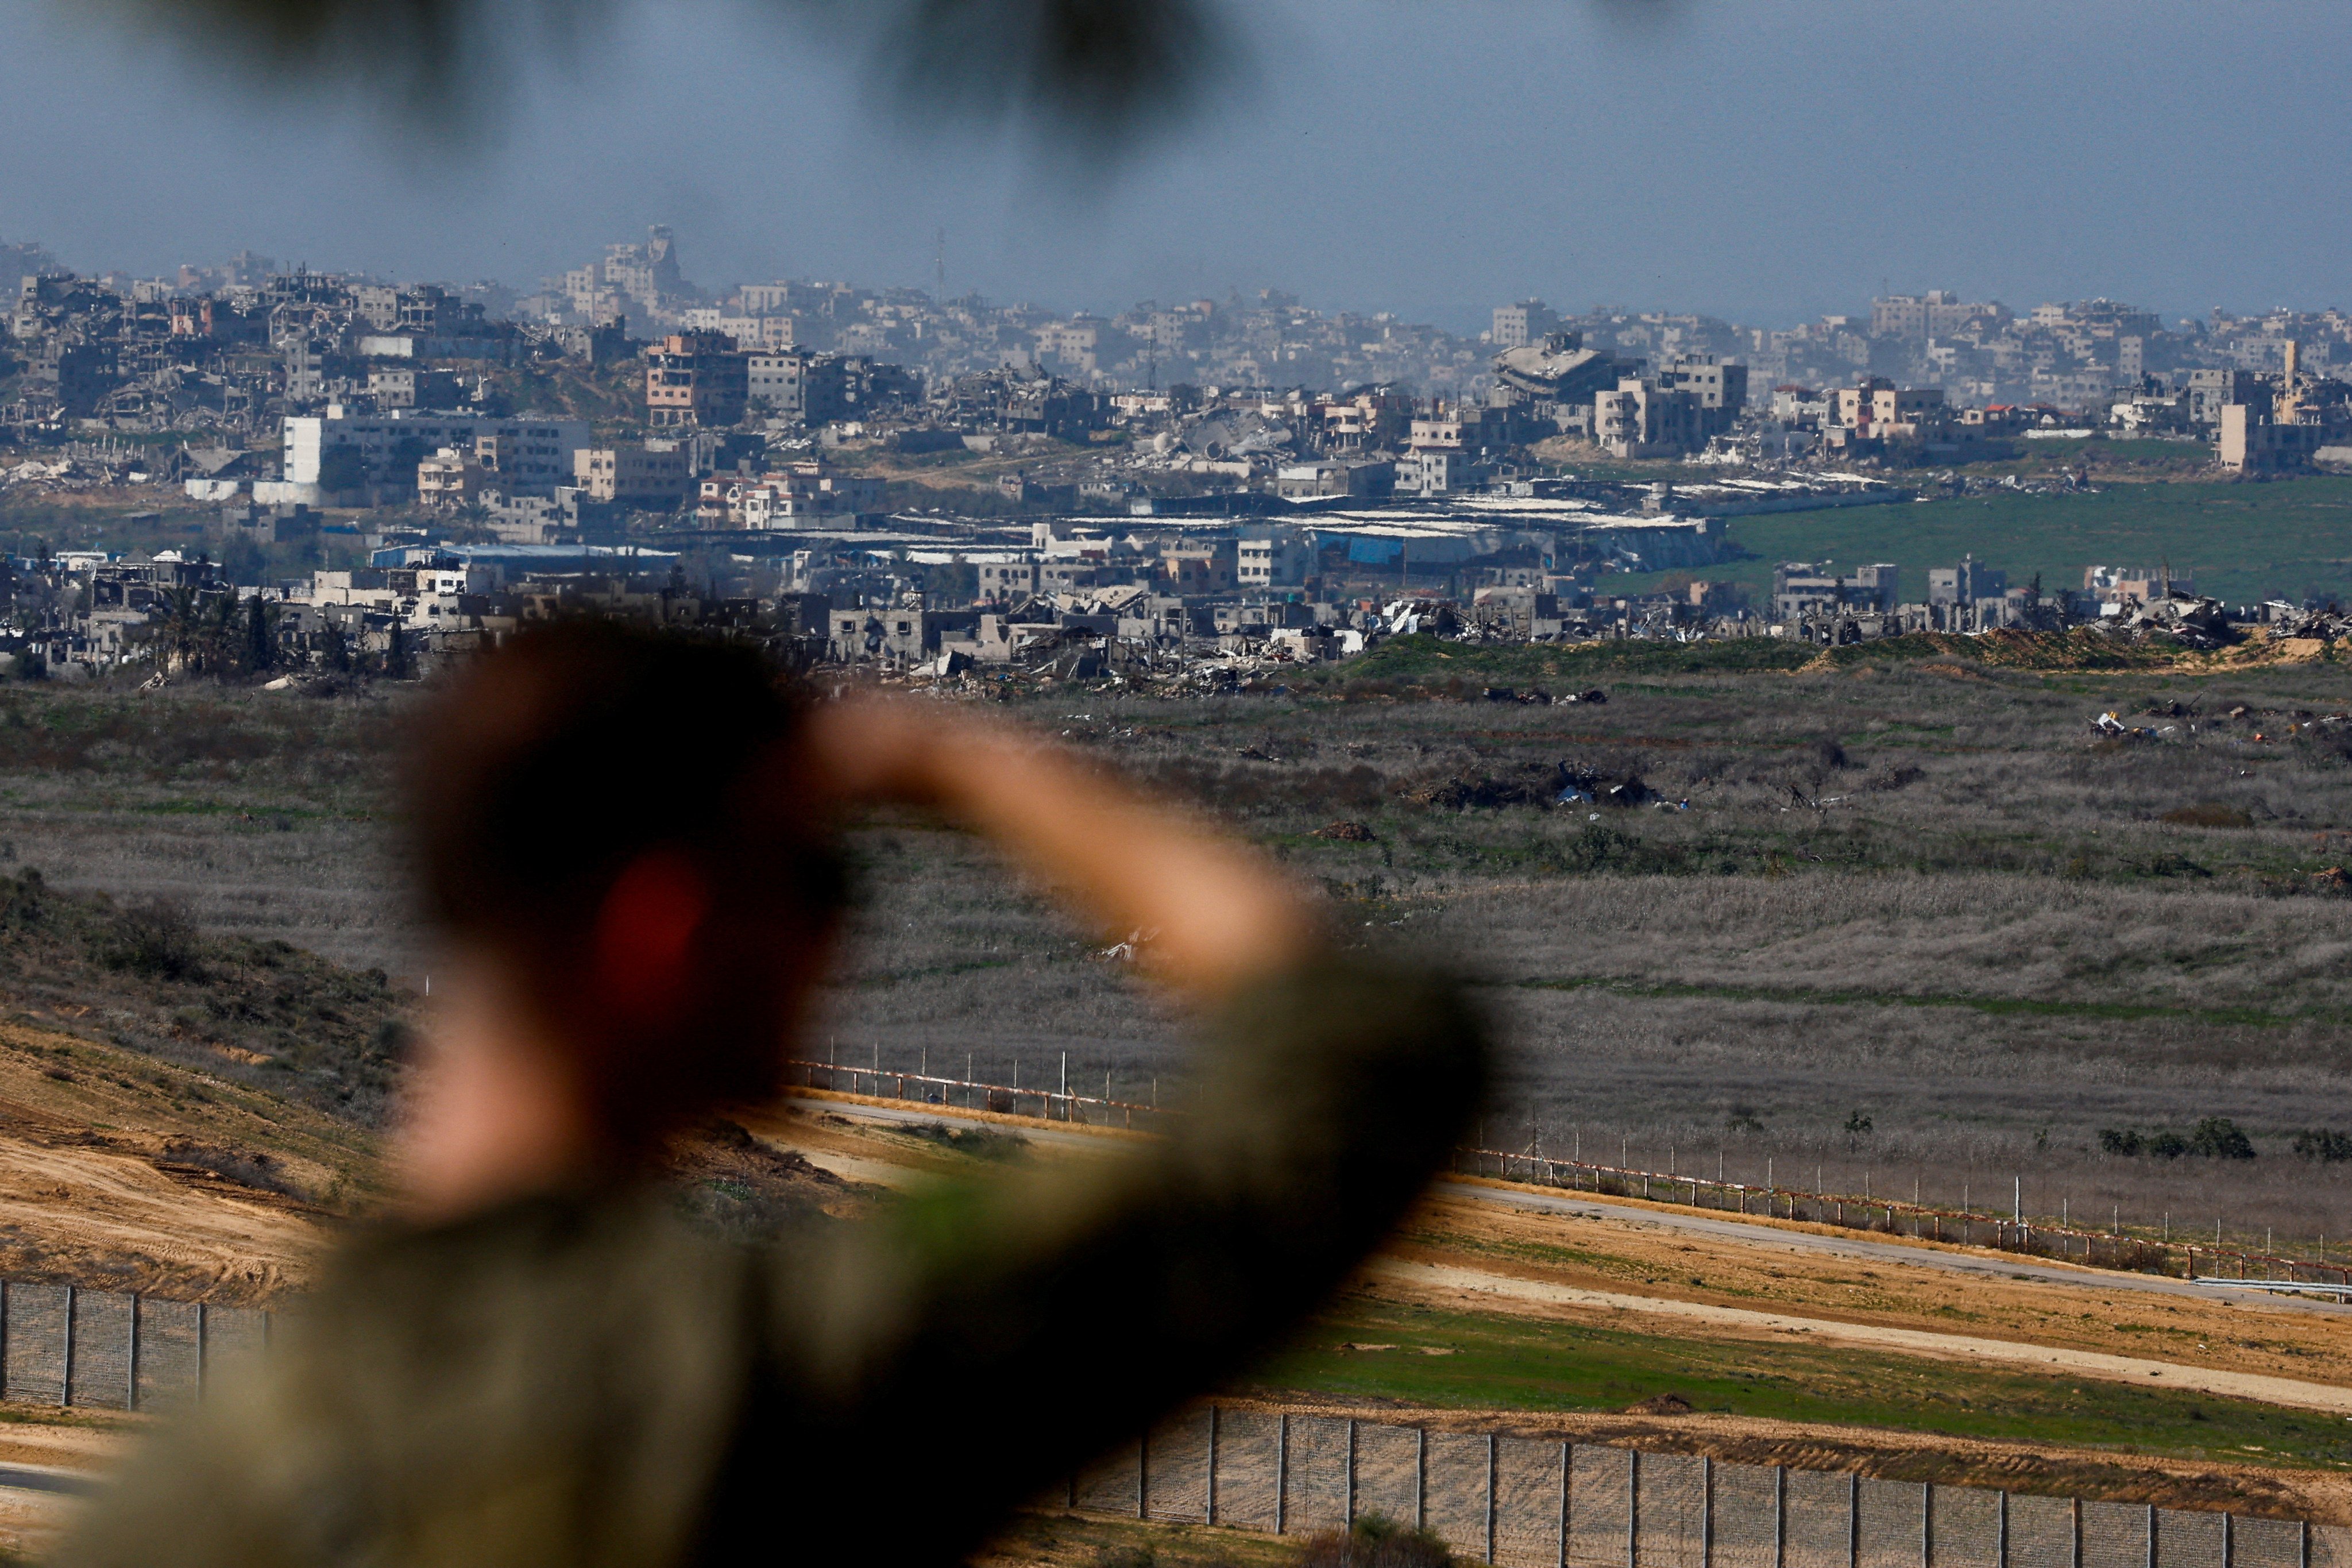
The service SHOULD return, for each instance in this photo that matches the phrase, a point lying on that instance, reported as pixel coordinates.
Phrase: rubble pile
(2325, 624)
(1563, 783)
(2193, 620)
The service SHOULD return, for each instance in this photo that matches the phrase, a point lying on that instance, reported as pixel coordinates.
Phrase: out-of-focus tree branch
(1090, 71)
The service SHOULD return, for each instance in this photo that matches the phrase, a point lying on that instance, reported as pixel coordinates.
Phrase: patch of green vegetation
(1470, 1361)
(979, 1142)
(2242, 542)
(2082, 647)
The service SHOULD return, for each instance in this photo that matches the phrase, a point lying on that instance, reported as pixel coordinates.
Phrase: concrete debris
(2195, 621)
(2325, 624)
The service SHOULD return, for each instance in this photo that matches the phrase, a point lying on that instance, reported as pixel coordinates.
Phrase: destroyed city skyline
(1754, 163)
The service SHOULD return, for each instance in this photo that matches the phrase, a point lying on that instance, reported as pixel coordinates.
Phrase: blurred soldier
(626, 840)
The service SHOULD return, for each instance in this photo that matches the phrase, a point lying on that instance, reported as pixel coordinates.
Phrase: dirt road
(1925, 1254)
(1755, 1232)
(1453, 1280)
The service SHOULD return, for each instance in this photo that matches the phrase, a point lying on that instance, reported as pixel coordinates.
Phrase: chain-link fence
(66, 1344)
(1530, 1503)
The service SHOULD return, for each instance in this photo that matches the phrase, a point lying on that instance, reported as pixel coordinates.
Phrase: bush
(2323, 1144)
(2215, 1138)
(154, 941)
(1375, 1543)
(979, 1142)
(2218, 1137)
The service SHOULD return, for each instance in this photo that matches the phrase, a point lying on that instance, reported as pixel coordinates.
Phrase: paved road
(1584, 1205)
(45, 1478)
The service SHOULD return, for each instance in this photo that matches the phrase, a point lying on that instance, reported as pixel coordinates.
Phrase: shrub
(2323, 1144)
(981, 1142)
(2215, 1138)
(1375, 1543)
(2218, 1137)
(154, 941)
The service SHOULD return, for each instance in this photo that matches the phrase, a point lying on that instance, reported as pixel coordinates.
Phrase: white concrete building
(529, 455)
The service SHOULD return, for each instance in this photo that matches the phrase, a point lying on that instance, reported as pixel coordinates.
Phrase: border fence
(2072, 1244)
(112, 1350)
(1538, 1502)
(1521, 1502)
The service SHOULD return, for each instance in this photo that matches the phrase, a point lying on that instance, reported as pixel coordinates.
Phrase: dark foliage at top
(142, 976)
(1093, 70)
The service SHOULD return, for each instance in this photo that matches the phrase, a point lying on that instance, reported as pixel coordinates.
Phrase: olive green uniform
(578, 1379)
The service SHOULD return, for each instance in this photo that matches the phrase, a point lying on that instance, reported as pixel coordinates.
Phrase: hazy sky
(1765, 162)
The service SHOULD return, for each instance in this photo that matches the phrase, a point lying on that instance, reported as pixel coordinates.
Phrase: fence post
(1420, 1477)
(1351, 1472)
(1282, 1473)
(2077, 1561)
(2000, 1537)
(1927, 1524)
(4, 1338)
(130, 1370)
(1211, 1491)
(64, 1382)
(1568, 1458)
(204, 1345)
(2151, 1535)
(1780, 1516)
(1490, 1497)
(2229, 1540)
(1705, 1512)
(2303, 1545)
(1852, 1517)
(1143, 1475)
(1632, 1508)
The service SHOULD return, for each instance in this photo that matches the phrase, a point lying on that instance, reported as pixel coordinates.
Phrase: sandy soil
(30, 1520)
(101, 1179)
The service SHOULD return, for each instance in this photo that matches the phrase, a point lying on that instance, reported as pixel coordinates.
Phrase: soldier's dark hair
(555, 763)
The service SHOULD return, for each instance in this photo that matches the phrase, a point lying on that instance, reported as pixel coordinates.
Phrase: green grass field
(2242, 543)
(1476, 1361)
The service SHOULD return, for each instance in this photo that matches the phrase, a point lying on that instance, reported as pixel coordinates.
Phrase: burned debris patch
(246, 1167)
(2208, 814)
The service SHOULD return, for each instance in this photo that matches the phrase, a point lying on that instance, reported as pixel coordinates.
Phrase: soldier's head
(617, 822)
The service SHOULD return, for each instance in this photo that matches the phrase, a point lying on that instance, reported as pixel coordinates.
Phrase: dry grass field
(1920, 928)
